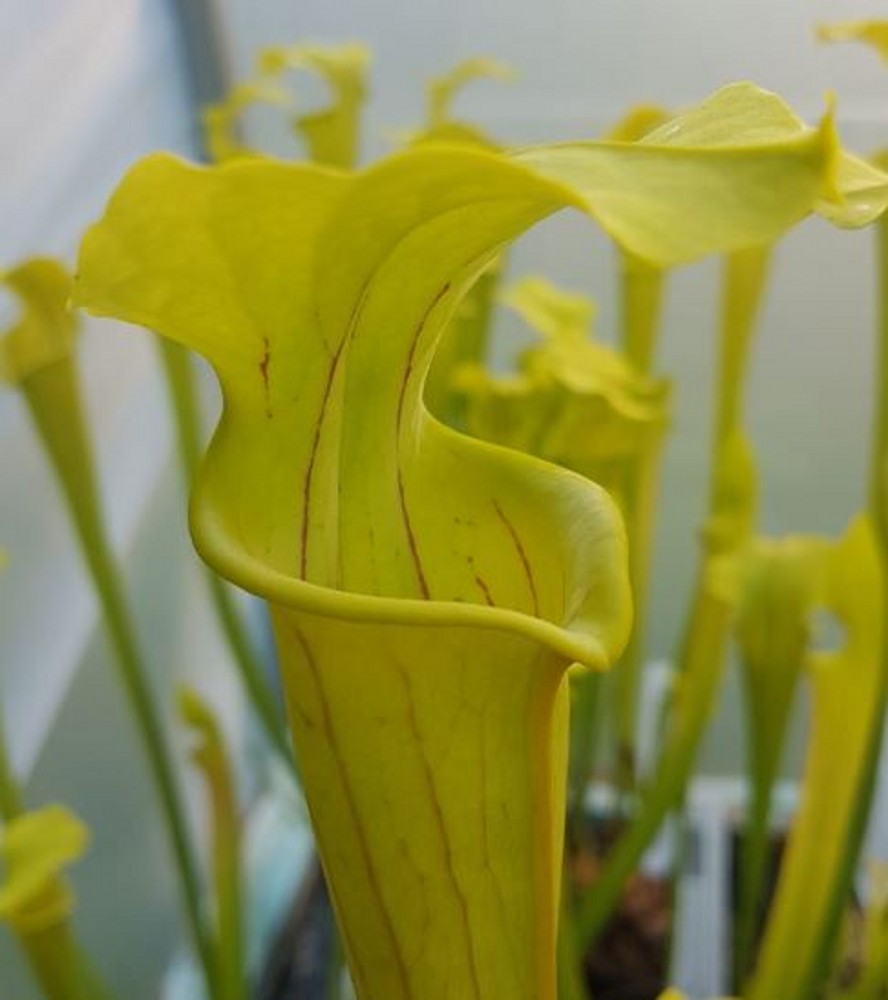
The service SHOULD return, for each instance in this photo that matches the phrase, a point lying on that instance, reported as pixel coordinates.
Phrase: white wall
(87, 87)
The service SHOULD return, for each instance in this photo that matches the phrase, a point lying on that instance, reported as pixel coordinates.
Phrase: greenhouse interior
(444, 500)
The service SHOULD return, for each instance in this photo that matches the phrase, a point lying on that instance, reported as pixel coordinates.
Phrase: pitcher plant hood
(428, 591)
(37, 848)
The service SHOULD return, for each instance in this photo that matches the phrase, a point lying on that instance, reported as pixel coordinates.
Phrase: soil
(631, 957)
(629, 961)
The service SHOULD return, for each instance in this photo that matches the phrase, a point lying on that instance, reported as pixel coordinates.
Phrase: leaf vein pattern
(522, 555)
(442, 829)
(372, 875)
(312, 458)
(405, 379)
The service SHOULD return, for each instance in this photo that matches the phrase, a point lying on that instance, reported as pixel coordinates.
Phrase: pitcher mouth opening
(576, 642)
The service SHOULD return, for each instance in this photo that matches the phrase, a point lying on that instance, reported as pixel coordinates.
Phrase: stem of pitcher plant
(63, 432)
(706, 634)
(642, 296)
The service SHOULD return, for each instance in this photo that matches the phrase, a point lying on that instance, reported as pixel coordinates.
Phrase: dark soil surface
(631, 957)
(629, 962)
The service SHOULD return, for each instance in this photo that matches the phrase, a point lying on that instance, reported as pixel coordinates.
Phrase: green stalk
(186, 411)
(642, 307)
(745, 280)
(211, 755)
(227, 870)
(706, 635)
(878, 510)
(745, 276)
(11, 803)
(183, 398)
(770, 684)
(53, 397)
(799, 947)
(753, 865)
(60, 966)
(586, 691)
(571, 981)
(698, 683)
(642, 297)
